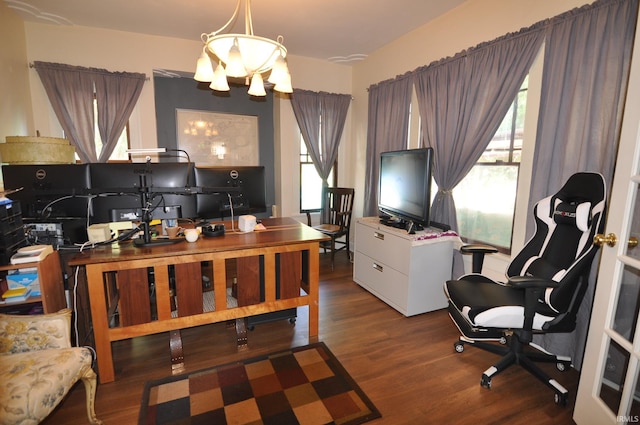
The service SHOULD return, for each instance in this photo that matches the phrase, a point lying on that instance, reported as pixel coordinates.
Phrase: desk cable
(75, 315)
(231, 210)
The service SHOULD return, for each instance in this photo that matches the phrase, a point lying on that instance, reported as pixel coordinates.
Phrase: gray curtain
(116, 96)
(586, 66)
(321, 117)
(388, 130)
(463, 100)
(71, 91)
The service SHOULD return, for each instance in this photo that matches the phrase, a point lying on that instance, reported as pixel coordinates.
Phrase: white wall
(15, 102)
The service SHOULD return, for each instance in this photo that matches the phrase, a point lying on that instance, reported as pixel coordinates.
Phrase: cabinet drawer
(381, 280)
(383, 246)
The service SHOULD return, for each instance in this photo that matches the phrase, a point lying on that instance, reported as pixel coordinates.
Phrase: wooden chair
(38, 367)
(335, 218)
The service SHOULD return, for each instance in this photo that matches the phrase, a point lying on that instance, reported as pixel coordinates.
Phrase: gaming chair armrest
(477, 251)
(533, 288)
(531, 282)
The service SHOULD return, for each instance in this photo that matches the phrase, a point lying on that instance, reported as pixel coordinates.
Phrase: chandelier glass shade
(243, 55)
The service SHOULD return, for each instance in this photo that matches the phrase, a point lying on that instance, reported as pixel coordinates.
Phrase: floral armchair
(38, 367)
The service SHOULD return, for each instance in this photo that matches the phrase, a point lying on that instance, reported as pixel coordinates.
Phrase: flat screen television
(241, 190)
(404, 190)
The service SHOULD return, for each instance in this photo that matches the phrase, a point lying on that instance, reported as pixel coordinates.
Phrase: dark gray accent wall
(186, 93)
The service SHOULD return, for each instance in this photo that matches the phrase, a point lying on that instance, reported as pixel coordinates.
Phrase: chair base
(331, 246)
(513, 352)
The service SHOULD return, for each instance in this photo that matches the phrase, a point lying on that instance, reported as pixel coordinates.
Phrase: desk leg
(314, 285)
(241, 333)
(99, 318)
(177, 354)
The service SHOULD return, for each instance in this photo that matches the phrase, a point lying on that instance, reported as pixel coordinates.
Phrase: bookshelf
(52, 295)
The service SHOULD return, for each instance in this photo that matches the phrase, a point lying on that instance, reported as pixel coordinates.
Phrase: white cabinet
(405, 271)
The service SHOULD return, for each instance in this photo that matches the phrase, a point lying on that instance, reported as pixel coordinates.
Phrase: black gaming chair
(546, 282)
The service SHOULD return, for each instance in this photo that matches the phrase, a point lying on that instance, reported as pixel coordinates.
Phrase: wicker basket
(36, 150)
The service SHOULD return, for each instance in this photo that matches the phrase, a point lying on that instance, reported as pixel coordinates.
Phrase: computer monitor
(238, 190)
(117, 189)
(49, 191)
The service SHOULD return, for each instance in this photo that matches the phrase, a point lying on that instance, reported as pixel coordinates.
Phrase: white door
(609, 389)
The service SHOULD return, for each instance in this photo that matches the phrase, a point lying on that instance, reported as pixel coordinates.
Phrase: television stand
(403, 270)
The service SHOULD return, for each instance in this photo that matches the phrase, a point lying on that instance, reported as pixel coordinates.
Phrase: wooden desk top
(279, 231)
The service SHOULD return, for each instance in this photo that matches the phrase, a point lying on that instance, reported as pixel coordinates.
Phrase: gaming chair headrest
(574, 201)
(577, 215)
(583, 187)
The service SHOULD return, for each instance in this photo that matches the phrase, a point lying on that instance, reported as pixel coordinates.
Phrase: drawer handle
(378, 235)
(378, 267)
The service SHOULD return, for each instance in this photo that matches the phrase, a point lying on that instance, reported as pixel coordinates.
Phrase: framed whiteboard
(218, 139)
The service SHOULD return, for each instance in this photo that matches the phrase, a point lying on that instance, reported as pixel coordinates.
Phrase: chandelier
(244, 55)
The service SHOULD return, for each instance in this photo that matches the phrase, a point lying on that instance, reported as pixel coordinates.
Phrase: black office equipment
(240, 190)
(49, 191)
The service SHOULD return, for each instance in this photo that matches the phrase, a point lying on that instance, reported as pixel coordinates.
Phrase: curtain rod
(31, 65)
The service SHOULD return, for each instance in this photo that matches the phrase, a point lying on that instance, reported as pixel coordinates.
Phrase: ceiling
(342, 31)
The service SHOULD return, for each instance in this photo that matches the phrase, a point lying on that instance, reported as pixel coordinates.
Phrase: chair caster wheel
(562, 367)
(459, 347)
(503, 341)
(292, 320)
(485, 382)
(561, 399)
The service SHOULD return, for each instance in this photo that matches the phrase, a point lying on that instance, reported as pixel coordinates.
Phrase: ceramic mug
(191, 235)
(172, 232)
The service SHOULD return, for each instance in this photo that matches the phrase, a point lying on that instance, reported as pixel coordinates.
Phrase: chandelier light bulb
(204, 70)
(284, 86)
(219, 82)
(257, 86)
(279, 71)
(235, 66)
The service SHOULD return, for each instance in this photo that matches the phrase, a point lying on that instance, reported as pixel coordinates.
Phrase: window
(119, 152)
(310, 181)
(486, 198)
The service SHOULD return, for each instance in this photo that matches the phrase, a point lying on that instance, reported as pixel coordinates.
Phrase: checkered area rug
(304, 385)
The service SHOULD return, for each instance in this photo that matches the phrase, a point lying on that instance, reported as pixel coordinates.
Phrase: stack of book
(16, 295)
(24, 277)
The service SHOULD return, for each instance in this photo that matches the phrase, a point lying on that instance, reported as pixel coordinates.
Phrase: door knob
(611, 240)
(600, 239)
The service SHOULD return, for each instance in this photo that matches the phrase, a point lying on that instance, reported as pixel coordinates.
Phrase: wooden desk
(277, 269)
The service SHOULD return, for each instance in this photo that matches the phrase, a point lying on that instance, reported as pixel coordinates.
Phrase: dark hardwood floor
(407, 366)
